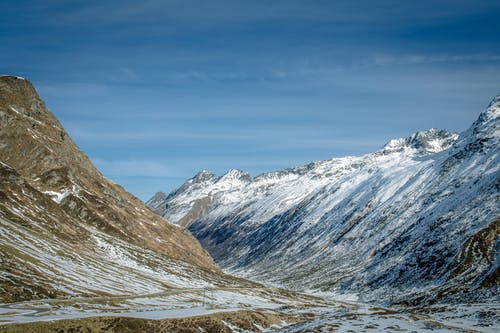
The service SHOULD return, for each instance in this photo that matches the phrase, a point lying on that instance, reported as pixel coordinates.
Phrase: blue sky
(154, 91)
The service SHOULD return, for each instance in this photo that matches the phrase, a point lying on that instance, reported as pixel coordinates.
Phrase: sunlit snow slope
(413, 222)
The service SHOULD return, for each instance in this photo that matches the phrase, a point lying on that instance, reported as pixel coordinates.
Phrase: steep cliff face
(59, 216)
(413, 222)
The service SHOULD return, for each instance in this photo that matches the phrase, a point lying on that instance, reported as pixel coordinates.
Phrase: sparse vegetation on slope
(66, 229)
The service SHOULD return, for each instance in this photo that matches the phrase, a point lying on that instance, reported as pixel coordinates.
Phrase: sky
(154, 91)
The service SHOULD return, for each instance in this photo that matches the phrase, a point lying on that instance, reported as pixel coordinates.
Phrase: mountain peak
(156, 201)
(430, 141)
(204, 175)
(484, 132)
(20, 95)
(495, 102)
(490, 115)
(159, 196)
(235, 174)
(201, 179)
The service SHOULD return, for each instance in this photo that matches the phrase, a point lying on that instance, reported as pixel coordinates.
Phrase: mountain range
(414, 222)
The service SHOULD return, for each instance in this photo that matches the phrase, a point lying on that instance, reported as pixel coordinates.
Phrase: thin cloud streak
(202, 12)
(186, 85)
(415, 59)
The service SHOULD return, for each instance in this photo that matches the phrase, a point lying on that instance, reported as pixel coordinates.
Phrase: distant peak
(205, 172)
(201, 179)
(495, 102)
(237, 174)
(159, 196)
(491, 113)
(486, 126)
(156, 199)
(430, 141)
(203, 175)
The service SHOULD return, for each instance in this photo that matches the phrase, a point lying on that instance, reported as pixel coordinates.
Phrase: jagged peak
(495, 102)
(235, 174)
(202, 178)
(484, 129)
(203, 175)
(157, 199)
(159, 196)
(430, 141)
(491, 114)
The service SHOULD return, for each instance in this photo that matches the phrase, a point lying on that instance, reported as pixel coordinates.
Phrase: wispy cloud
(411, 59)
(208, 12)
(189, 84)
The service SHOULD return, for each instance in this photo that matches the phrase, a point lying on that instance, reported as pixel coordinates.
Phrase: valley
(401, 240)
(416, 222)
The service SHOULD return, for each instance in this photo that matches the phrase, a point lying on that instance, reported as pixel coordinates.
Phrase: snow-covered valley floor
(365, 318)
(177, 303)
(312, 313)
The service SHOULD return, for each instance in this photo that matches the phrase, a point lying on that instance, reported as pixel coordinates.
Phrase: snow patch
(58, 197)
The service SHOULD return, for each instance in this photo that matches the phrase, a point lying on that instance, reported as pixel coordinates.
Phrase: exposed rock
(51, 194)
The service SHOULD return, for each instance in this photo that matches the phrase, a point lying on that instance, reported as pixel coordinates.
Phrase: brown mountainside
(50, 189)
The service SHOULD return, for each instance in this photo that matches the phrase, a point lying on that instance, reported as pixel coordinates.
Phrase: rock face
(416, 221)
(67, 230)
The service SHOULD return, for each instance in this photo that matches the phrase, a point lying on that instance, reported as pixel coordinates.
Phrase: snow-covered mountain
(416, 221)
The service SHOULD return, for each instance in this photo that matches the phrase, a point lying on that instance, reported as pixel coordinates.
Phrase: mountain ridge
(393, 224)
(51, 195)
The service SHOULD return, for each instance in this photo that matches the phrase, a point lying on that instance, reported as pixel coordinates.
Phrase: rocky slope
(67, 230)
(417, 221)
